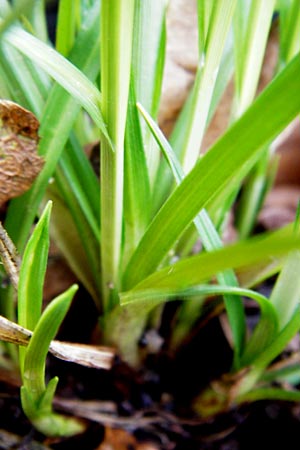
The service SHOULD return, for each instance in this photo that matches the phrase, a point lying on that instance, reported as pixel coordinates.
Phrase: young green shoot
(35, 395)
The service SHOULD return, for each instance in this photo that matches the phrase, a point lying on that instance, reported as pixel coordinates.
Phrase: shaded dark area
(261, 425)
(51, 9)
(154, 402)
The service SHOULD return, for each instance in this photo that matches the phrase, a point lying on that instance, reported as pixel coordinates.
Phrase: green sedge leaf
(38, 347)
(202, 267)
(65, 73)
(297, 219)
(139, 304)
(24, 89)
(250, 43)
(45, 404)
(45, 421)
(32, 272)
(269, 394)
(57, 120)
(66, 25)
(8, 15)
(274, 349)
(289, 21)
(286, 292)
(76, 242)
(263, 335)
(289, 371)
(148, 55)
(136, 181)
(210, 238)
(117, 18)
(209, 62)
(230, 158)
(135, 306)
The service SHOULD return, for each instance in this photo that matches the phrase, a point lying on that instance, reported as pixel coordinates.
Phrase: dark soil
(151, 407)
(265, 425)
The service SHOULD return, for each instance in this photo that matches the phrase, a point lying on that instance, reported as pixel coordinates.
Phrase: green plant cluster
(128, 234)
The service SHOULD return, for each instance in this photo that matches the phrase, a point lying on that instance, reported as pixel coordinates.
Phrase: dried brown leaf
(11, 332)
(19, 161)
(85, 355)
(9, 257)
(117, 439)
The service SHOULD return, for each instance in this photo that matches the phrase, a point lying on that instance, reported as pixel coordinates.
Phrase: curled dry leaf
(85, 355)
(9, 256)
(119, 439)
(11, 332)
(19, 162)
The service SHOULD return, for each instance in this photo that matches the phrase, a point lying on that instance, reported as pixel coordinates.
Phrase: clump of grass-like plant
(155, 197)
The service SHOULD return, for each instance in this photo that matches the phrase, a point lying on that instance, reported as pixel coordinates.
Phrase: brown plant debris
(12, 440)
(85, 355)
(9, 257)
(19, 162)
(118, 439)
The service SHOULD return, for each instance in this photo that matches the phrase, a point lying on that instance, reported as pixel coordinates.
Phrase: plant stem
(116, 44)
